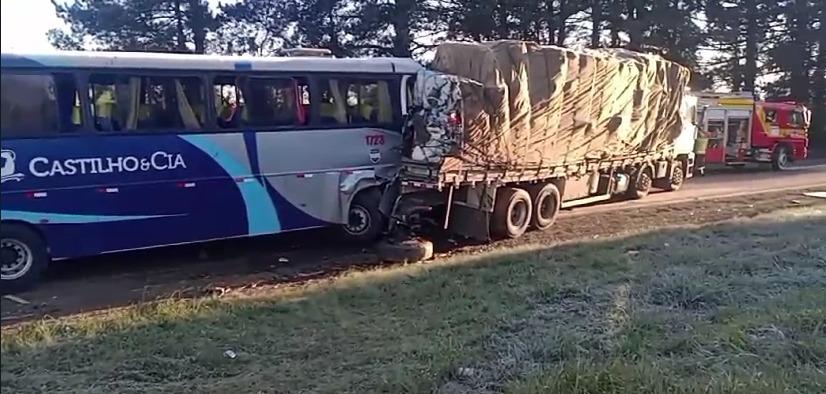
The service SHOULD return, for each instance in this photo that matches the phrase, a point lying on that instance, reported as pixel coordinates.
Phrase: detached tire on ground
(407, 251)
(641, 183)
(781, 158)
(546, 202)
(365, 221)
(511, 213)
(23, 258)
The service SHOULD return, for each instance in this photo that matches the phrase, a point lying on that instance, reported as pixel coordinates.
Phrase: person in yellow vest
(104, 110)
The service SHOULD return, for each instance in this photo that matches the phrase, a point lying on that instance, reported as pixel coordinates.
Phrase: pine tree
(136, 25)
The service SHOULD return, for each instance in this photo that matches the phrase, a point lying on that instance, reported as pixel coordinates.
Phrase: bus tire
(642, 182)
(24, 257)
(511, 213)
(365, 221)
(546, 202)
(781, 158)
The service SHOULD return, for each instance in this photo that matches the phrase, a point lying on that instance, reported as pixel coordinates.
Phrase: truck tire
(781, 158)
(23, 257)
(406, 251)
(546, 202)
(365, 221)
(641, 183)
(511, 213)
(675, 181)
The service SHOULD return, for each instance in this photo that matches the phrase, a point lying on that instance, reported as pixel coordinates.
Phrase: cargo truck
(505, 134)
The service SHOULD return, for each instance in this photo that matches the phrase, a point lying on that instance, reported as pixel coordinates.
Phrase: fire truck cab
(742, 130)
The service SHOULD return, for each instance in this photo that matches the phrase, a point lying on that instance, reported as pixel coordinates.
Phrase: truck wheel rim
(17, 259)
(547, 207)
(519, 214)
(358, 220)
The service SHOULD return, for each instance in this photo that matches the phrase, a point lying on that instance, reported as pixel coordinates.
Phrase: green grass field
(732, 307)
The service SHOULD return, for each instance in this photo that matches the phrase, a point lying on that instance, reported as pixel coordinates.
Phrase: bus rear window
(38, 104)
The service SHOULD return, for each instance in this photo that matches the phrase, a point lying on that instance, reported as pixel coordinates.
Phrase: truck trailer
(503, 134)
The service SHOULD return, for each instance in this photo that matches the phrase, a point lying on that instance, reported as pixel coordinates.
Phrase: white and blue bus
(105, 152)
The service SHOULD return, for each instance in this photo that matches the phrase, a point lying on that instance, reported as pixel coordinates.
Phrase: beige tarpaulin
(545, 105)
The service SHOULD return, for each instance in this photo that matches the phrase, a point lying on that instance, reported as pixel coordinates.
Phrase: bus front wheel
(364, 219)
(23, 257)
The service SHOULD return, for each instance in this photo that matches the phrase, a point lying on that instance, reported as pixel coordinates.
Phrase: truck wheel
(642, 183)
(23, 258)
(781, 158)
(406, 251)
(364, 220)
(675, 182)
(511, 213)
(546, 202)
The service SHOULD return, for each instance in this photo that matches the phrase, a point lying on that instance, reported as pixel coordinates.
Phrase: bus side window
(355, 102)
(229, 101)
(37, 104)
(276, 102)
(137, 103)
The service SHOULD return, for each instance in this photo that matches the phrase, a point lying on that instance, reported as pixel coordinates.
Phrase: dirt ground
(242, 265)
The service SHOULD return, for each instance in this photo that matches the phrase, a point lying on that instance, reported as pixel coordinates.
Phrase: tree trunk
(752, 38)
(562, 31)
(197, 23)
(596, 23)
(402, 14)
(180, 34)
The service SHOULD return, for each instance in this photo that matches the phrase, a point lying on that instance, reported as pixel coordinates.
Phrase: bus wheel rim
(358, 220)
(17, 259)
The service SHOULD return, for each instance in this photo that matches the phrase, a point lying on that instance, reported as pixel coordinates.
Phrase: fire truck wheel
(781, 158)
(642, 182)
(511, 213)
(24, 257)
(546, 202)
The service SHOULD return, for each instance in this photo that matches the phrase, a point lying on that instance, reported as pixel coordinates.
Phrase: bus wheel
(364, 219)
(511, 213)
(23, 258)
(781, 158)
(642, 183)
(546, 202)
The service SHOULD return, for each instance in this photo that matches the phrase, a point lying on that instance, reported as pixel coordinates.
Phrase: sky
(24, 23)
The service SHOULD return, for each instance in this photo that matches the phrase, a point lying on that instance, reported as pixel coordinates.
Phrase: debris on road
(283, 260)
(815, 194)
(230, 354)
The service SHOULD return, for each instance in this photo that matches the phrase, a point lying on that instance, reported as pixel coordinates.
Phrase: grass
(734, 307)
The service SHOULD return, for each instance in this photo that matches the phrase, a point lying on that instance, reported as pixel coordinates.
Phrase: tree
(136, 25)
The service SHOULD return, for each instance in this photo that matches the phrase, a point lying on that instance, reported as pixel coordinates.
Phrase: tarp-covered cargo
(531, 106)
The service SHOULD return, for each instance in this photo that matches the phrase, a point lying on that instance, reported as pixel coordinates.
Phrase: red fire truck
(740, 129)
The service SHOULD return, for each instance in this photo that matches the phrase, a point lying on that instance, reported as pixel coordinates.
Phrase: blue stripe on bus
(262, 217)
(66, 218)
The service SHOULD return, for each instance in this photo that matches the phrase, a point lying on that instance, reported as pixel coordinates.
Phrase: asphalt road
(727, 182)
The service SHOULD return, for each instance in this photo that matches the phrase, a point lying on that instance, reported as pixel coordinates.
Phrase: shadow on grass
(670, 309)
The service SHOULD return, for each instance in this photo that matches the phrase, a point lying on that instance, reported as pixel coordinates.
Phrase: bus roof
(175, 61)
